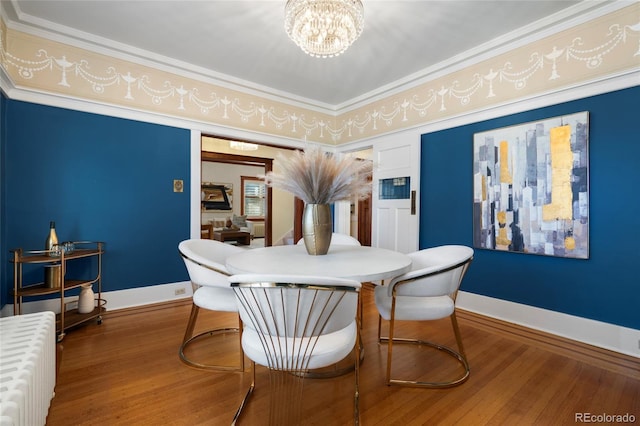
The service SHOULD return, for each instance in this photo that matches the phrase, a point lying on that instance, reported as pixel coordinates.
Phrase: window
(394, 188)
(253, 193)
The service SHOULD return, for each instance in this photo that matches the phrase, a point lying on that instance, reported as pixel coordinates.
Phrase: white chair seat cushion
(216, 299)
(411, 308)
(328, 350)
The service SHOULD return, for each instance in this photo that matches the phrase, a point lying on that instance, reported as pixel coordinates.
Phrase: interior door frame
(245, 160)
(365, 219)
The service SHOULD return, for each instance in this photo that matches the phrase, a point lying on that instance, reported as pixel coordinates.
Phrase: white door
(395, 192)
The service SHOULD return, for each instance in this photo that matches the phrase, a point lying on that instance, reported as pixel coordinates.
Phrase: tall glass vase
(317, 228)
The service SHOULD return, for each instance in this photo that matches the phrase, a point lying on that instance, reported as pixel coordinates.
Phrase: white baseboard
(140, 296)
(119, 299)
(603, 335)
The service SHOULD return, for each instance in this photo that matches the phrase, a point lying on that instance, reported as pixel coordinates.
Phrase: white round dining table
(360, 263)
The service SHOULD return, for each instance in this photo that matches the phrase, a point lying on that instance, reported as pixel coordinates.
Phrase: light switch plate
(178, 185)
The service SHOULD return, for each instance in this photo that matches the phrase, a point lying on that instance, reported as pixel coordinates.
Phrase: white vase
(86, 300)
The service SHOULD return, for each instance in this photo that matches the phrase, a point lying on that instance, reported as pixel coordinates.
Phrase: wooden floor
(126, 371)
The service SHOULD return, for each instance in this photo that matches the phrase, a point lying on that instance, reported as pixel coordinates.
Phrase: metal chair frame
(459, 355)
(295, 369)
(189, 338)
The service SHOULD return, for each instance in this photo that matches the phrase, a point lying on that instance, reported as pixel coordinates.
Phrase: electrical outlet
(180, 291)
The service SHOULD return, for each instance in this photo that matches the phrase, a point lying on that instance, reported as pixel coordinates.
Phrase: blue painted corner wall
(101, 179)
(604, 287)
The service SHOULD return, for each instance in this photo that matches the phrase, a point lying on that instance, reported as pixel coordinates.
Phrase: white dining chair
(427, 292)
(338, 238)
(205, 262)
(293, 324)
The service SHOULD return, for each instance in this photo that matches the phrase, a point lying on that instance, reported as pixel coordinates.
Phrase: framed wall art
(217, 196)
(531, 187)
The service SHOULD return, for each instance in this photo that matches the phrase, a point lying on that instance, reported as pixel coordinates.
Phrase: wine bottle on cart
(51, 243)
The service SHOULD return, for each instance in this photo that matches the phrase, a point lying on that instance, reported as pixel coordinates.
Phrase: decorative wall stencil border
(565, 59)
(607, 45)
(45, 65)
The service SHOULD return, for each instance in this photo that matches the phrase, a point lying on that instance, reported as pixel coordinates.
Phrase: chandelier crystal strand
(324, 28)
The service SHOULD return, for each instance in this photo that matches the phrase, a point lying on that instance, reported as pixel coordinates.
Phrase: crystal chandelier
(324, 28)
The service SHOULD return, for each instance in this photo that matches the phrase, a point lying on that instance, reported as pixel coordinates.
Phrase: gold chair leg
(246, 396)
(360, 311)
(386, 339)
(456, 331)
(240, 330)
(190, 338)
(193, 316)
(389, 352)
(459, 356)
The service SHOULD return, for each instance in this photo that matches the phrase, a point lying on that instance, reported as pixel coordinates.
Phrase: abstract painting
(531, 187)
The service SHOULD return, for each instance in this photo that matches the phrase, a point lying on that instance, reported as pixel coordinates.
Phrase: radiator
(27, 368)
(258, 229)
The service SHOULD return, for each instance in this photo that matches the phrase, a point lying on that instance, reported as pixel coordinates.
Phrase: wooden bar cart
(57, 259)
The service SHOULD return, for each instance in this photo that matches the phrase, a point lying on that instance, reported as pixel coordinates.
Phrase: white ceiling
(244, 42)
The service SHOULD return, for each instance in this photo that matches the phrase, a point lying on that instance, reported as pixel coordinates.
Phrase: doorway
(244, 160)
(364, 221)
(236, 152)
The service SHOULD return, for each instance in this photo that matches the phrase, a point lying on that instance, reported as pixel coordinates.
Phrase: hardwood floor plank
(548, 381)
(127, 372)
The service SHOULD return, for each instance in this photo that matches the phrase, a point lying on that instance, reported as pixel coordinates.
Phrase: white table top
(360, 263)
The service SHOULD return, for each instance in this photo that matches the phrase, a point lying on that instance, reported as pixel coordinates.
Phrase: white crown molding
(6, 85)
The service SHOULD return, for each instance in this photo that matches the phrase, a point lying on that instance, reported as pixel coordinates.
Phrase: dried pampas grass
(317, 177)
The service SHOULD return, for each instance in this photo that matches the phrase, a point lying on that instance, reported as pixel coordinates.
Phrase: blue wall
(100, 179)
(109, 179)
(605, 287)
